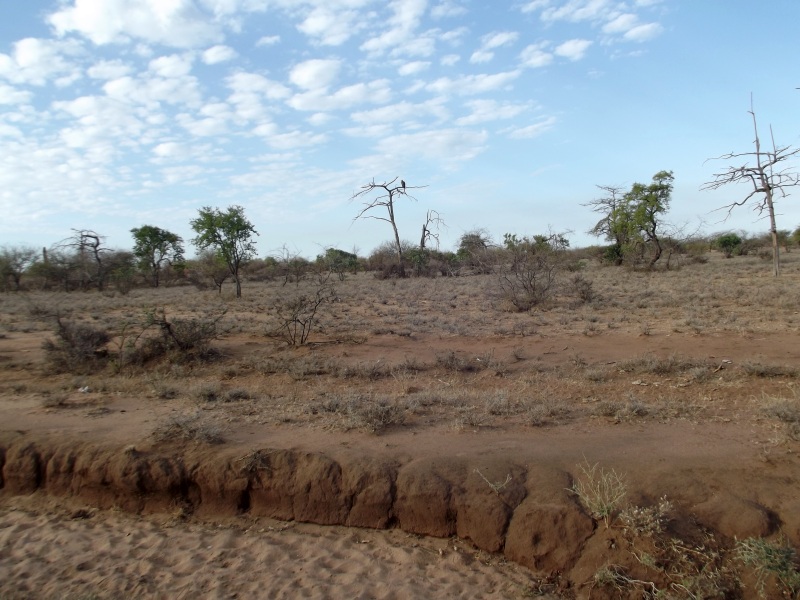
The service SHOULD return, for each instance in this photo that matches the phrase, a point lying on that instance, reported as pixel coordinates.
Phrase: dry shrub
(78, 348)
(189, 428)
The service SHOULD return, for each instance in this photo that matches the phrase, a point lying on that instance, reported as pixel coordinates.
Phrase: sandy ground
(50, 551)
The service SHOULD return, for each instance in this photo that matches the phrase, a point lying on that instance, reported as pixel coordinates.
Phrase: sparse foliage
(13, 263)
(771, 560)
(529, 271)
(388, 192)
(768, 179)
(78, 347)
(297, 315)
(600, 491)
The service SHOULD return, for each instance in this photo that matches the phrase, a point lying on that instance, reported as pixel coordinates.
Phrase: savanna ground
(636, 440)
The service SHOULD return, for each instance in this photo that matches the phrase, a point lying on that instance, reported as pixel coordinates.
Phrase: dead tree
(432, 219)
(767, 177)
(388, 192)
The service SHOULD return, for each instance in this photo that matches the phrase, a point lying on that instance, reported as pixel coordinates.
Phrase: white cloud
(481, 56)
(483, 111)
(536, 55)
(331, 27)
(491, 41)
(174, 65)
(414, 67)
(448, 60)
(499, 38)
(36, 61)
(447, 8)
(402, 111)
(315, 74)
(218, 54)
(374, 92)
(319, 119)
(13, 96)
(573, 49)
(577, 10)
(252, 96)
(295, 139)
(108, 69)
(621, 23)
(643, 33)
(443, 145)
(177, 23)
(472, 84)
(268, 40)
(531, 131)
(398, 31)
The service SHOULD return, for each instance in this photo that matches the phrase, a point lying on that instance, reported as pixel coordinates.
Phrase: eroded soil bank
(506, 492)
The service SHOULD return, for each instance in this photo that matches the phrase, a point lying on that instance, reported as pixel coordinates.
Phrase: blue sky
(120, 113)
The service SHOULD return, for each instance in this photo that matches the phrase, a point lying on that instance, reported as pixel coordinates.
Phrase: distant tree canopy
(230, 234)
(634, 221)
(154, 247)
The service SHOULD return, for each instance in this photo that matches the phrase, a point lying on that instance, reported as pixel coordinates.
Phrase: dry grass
(462, 360)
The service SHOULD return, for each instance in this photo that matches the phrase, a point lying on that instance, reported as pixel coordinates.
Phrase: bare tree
(388, 192)
(90, 253)
(608, 227)
(768, 177)
(432, 219)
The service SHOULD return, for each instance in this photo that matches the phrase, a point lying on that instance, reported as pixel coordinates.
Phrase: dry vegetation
(424, 353)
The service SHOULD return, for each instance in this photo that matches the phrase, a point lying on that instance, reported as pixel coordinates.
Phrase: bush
(529, 274)
(78, 348)
(729, 243)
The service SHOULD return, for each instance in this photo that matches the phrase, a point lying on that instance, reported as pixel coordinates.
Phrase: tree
(388, 192)
(610, 226)
(634, 220)
(88, 258)
(766, 178)
(230, 234)
(13, 263)
(154, 247)
(728, 243)
(646, 205)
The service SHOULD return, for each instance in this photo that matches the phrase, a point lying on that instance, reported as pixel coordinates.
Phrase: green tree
(155, 247)
(728, 243)
(634, 220)
(230, 234)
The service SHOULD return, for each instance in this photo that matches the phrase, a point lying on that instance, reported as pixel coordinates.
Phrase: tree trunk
(773, 229)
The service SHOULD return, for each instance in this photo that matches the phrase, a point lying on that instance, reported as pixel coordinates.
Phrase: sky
(504, 115)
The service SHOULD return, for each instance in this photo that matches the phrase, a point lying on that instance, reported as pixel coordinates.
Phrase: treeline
(84, 261)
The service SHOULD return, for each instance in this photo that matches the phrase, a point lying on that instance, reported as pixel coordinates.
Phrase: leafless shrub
(755, 369)
(296, 316)
(189, 428)
(78, 348)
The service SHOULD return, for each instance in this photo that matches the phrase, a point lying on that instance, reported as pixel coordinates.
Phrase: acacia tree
(634, 220)
(230, 234)
(766, 178)
(388, 192)
(13, 263)
(154, 247)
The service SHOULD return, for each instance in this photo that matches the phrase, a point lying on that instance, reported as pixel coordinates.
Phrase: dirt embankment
(508, 497)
